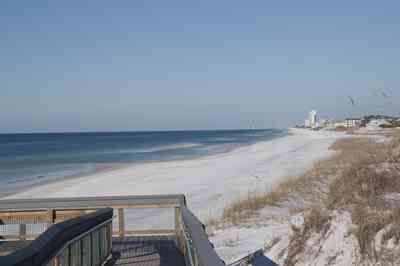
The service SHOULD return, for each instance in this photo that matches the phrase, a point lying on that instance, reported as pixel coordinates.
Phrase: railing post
(178, 230)
(177, 220)
(110, 234)
(121, 222)
(51, 217)
(56, 261)
(22, 231)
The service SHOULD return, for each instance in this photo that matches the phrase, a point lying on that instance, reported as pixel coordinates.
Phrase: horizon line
(134, 131)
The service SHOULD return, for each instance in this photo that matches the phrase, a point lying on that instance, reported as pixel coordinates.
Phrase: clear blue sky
(144, 65)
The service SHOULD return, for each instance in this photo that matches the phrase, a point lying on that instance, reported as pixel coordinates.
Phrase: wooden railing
(85, 240)
(197, 248)
(17, 216)
(39, 214)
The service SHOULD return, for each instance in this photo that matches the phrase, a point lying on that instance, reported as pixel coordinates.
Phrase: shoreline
(209, 182)
(17, 190)
(107, 167)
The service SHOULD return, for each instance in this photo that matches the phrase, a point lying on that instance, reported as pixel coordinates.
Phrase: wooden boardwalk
(146, 251)
(135, 251)
(108, 222)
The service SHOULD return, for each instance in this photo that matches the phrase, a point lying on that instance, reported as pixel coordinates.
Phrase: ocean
(33, 159)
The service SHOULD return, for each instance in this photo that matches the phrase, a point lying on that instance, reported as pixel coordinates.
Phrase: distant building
(376, 123)
(313, 119)
(340, 124)
(326, 123)
(352, 122)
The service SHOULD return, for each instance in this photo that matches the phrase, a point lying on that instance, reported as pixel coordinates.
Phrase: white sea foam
(224, 139)
(159, 148)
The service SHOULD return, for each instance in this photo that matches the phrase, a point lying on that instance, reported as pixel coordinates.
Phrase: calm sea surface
(31, 159)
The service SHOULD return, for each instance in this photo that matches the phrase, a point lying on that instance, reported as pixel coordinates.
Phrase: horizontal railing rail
(85, 240)
(159, 201)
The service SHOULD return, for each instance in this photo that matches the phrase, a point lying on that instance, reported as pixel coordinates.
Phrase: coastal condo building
(312, 121)
(353, 122)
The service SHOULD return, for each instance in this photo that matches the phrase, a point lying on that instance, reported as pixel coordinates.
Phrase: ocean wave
(159, 148)
(224, 139)
(266, 134)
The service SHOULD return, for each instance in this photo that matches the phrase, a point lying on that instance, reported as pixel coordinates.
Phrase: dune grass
(242, 209)
(355, 179)
(360, 187)
(309, 188)
(316, 220)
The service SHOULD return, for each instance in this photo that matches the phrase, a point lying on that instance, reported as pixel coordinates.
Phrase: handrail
(49, 244)
(145, 201)
(199, 248)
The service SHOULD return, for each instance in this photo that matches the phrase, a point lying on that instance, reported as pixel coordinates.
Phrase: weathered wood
(121, 222)
(51, 217)
(55, 215)
(62, 215)
(33, 217)
(110, 235)
(177, 219)
(56, 261)
(147, 232)
(146, 251)
(91, 207)
(178, 230)
(158, 201)
(50, 211)
(188, 229)
(204, 251)
(22, 231)
(22, 217)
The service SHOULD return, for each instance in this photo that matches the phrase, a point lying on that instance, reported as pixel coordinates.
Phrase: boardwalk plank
(146, 251)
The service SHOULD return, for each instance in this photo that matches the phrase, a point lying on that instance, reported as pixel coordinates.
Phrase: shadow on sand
(259, 259)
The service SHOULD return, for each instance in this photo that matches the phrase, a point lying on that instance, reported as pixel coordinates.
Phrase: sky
(166, 65)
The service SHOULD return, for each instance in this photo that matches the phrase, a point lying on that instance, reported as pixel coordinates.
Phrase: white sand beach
(209, 183)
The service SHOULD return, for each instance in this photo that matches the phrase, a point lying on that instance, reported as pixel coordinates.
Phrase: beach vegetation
(357, 179)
